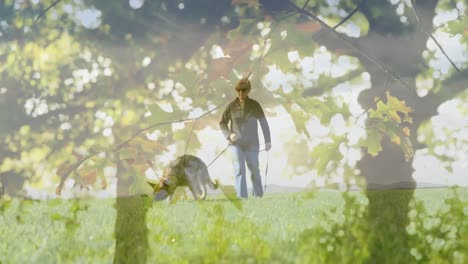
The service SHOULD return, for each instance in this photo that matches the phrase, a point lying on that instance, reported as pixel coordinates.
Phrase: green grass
(279, 228)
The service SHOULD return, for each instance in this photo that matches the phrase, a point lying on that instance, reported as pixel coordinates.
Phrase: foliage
(286, 228)
(339, 236)
(390, 119)
(442, 235)
(77, 86)
(79, 96)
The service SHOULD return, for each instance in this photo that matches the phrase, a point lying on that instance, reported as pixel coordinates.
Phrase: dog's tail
(206, 175)
(214, 185)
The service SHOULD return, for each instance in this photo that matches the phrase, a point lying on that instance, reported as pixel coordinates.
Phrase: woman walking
(244, 114)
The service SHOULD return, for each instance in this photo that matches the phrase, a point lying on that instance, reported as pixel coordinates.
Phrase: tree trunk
(131, 241)
(388, 209)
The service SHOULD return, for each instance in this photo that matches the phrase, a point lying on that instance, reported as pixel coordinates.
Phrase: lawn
(280, 228)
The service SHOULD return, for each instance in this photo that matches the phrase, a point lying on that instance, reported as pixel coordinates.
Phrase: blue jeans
(249, 155)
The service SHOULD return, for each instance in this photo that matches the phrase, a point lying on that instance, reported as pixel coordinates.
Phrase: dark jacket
(244, 124)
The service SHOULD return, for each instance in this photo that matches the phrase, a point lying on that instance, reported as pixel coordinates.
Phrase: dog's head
(157, 186)
(160, 189)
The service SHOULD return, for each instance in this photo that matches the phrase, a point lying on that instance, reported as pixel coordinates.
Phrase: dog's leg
(195, 188)
(169, 198)
(201, 183)
(204, 190)
(195, 196)
(203, 194)
(205, 175)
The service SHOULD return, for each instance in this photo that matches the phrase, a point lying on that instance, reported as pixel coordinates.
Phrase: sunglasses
(242, 90)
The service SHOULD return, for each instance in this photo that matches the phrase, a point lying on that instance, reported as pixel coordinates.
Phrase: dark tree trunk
(187, 35)
(131, 241)
(402, 53)
(388, 209)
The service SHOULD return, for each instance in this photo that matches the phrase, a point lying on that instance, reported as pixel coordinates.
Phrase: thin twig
(286, 16)
(418, 19)
(375, 103)
(148, 128)
(353, 45)
(349, 15)
(164, 123)
(45, 10)
(413, 5)
(443, 51)
(74, 168)
(305, 5)
(273, 26)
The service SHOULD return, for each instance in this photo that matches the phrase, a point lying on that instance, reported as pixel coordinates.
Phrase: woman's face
(242, 93)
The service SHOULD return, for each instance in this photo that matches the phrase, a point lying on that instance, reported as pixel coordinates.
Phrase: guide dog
(188, 171)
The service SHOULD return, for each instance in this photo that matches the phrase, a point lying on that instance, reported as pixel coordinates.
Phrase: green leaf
(158, 115)
(280, 58)
(362, 22)
(457, 26)
(372, 142)
(395, 105)
(127, 153)
(407, 148)
(300, 118)
(187, 78)
(326, 153)
(380, 111)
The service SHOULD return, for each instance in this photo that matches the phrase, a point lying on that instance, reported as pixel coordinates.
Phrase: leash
(266, 168)
(218, 155)
(266, 171)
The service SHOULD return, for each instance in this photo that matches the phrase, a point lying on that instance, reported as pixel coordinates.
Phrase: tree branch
(321, 87)
(443, 51)
(413, 4)
(43, 12)
(164, 123)
(351, 44)
(349, 15)
(77, 164)
(305, 5)
(452, 86)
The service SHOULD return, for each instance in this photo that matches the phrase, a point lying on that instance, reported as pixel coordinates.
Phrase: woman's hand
(233, 137)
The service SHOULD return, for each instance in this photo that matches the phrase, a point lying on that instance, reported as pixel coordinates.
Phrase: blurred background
(377, 102)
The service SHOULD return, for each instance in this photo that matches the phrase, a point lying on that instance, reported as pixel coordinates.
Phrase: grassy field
(280, 228)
